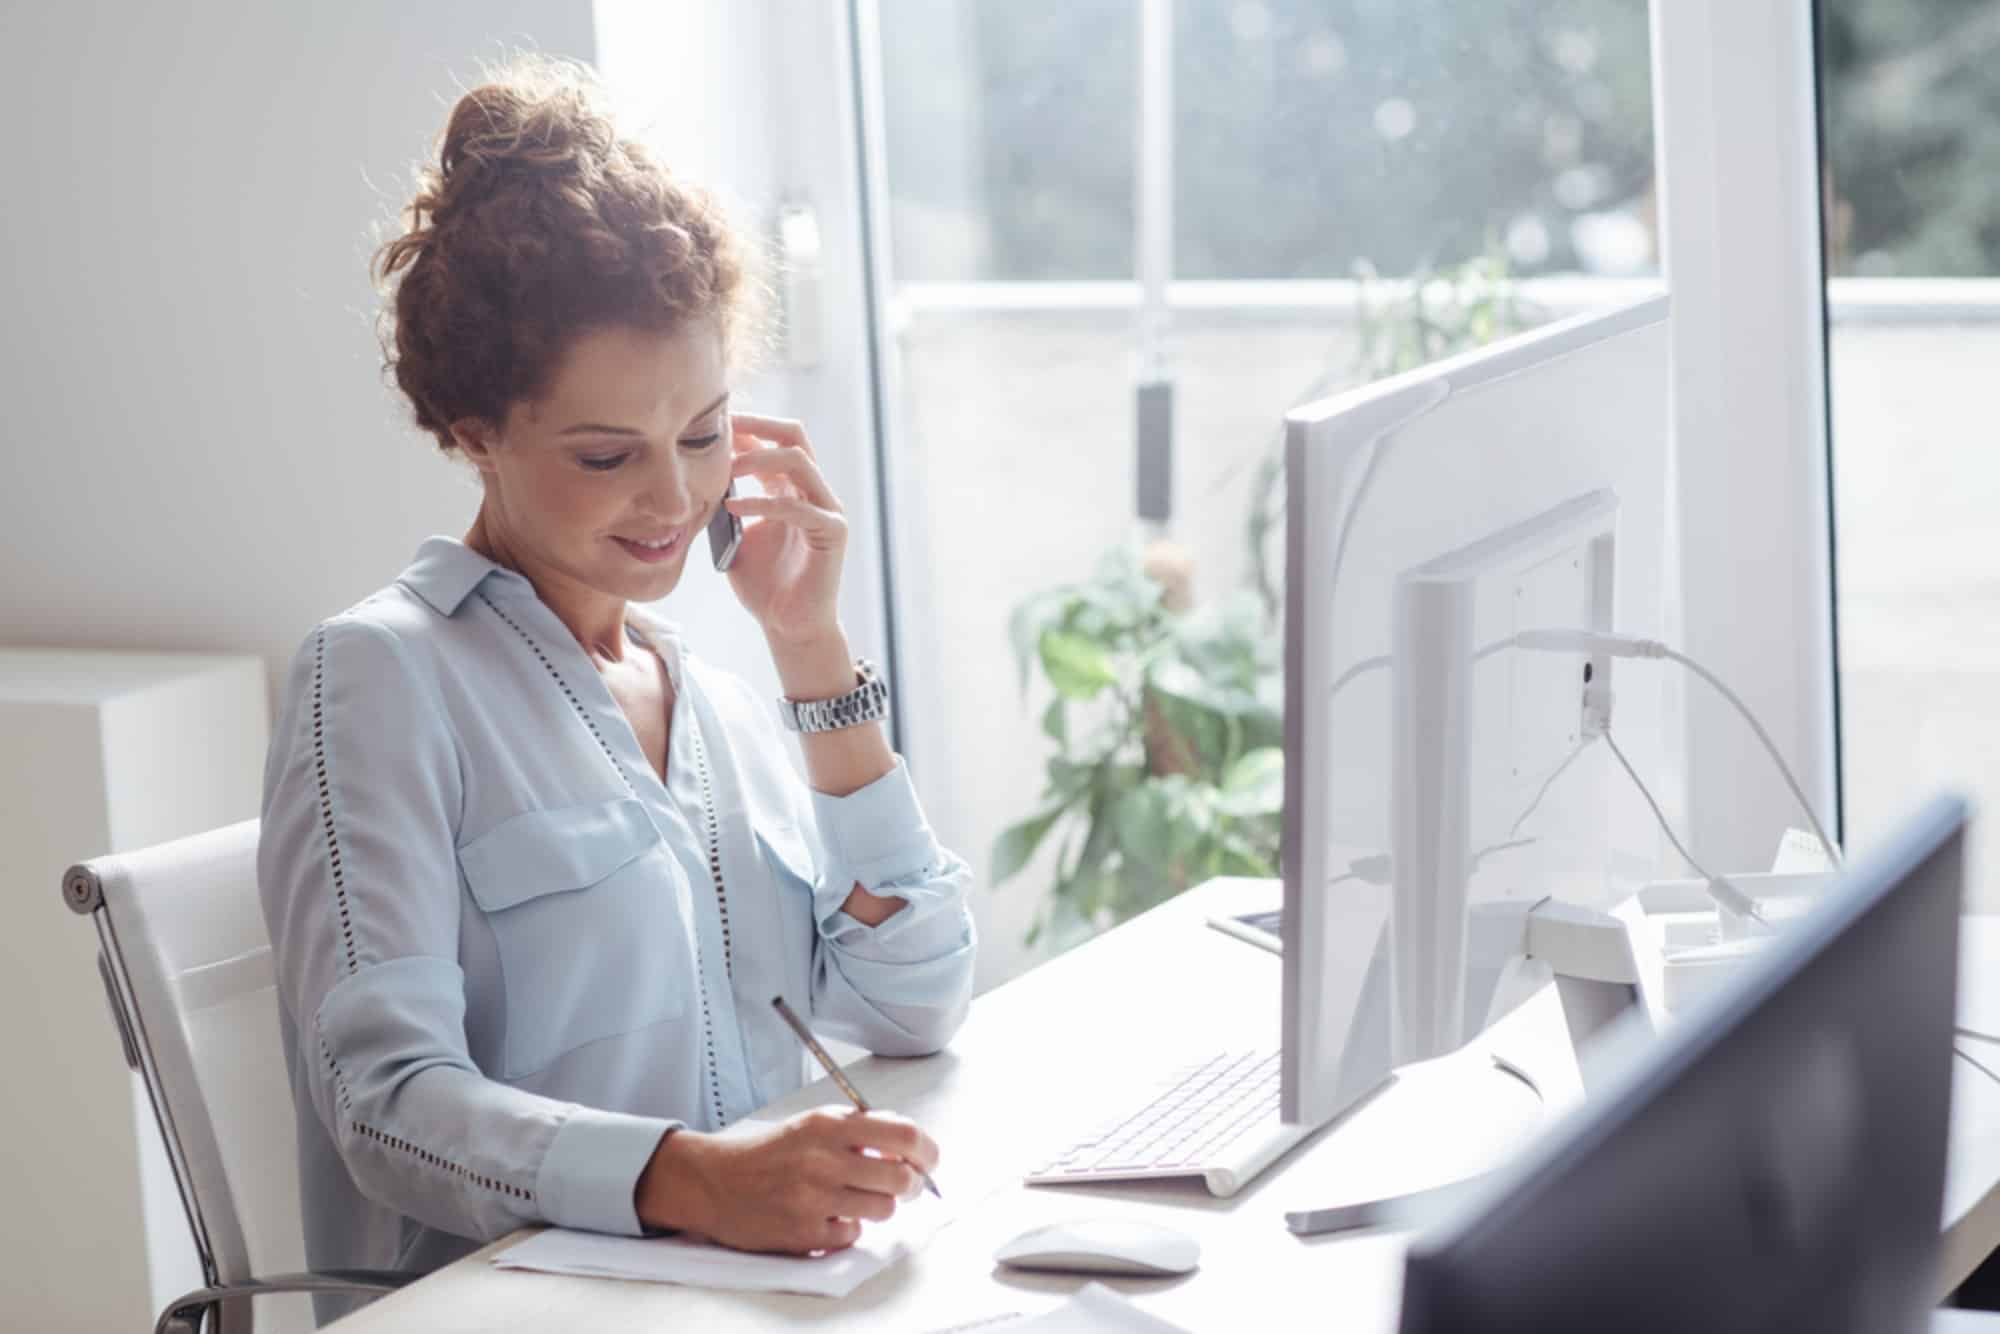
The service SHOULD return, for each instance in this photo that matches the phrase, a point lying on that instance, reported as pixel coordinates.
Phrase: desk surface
(1048, 1054)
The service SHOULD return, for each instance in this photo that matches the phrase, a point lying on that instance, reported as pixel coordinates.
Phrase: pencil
(839, 1077)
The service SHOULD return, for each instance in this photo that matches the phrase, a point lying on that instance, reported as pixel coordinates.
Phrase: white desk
(1043, 1057)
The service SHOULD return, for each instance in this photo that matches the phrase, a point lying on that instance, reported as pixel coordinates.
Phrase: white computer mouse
(1103, 1246)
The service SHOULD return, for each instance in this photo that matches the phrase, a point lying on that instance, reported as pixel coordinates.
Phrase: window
(1357, 187)
(1912, 191)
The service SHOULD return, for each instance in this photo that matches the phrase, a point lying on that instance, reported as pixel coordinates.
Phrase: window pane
(1312, 137)
(1908, 93)
(1010, 130)
(1502, 150)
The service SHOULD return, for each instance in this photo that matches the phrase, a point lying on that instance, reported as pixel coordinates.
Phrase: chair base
(188, 1314)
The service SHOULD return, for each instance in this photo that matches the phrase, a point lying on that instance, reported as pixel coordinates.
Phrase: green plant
(1168, 765)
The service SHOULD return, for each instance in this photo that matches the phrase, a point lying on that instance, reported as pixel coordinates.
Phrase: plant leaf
(1077, 667)
(1183, 680)
(1025, 627)
(1055, 722)
(1255, 784)
(1145, 827)
(1017, 843)
(1195, 724)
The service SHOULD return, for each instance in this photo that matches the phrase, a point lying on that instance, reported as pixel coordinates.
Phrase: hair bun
(534, 222)
(552, 120)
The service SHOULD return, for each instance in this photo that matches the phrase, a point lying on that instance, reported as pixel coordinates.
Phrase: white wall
(201, 448)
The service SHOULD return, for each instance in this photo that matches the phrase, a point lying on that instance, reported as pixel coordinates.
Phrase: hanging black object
(1155, 408)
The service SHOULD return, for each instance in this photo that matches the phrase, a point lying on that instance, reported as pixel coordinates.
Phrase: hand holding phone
(725, 532)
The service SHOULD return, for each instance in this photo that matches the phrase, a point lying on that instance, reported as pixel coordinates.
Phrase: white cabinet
(99, 752)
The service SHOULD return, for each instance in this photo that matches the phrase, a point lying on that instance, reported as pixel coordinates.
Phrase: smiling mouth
(652, 551)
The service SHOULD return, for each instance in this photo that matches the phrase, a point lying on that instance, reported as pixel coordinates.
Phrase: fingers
(778, 430)
(891, 1177)
(790, 457)
(869, 1205)
(801, 514)
(837, 1234)
(896, 1136)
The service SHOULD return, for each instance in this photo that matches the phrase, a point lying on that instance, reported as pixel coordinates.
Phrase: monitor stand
(1512, 950)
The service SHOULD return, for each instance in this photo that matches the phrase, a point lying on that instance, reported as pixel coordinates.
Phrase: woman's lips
(651, 555)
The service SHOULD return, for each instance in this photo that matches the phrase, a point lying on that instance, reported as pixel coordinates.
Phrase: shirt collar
(445, 571)
(664, 635)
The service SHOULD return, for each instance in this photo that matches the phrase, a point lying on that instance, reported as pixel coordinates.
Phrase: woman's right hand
(804, 1184)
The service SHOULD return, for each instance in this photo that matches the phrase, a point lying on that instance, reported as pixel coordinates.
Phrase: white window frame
(1737, 152)
(755, 98)
(1737, 149)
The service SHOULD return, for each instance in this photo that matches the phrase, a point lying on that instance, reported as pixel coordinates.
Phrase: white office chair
(186, 963)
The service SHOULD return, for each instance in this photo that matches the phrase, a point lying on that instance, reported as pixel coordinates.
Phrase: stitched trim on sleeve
(326, 797)
(401, 1145)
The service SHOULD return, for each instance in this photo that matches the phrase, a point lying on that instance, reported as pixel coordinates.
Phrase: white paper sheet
(1095, 1309)
(700, 1264)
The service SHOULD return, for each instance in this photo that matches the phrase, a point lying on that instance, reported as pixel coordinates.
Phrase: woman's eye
(700, 441)
(603, 463)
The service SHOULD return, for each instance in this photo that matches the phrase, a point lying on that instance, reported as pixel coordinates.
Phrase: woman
(532, 869)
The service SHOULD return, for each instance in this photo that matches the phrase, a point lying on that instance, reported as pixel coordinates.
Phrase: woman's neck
(597, 620)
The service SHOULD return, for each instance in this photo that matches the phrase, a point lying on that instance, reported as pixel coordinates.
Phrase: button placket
(654, 796)
(694, 804)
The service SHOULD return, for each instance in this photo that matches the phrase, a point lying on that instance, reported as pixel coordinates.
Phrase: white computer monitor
(1439, 783)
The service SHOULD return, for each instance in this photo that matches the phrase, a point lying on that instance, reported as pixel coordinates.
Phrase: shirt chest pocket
(586, 908)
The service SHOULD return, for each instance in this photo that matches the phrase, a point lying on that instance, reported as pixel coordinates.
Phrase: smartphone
(725, 532)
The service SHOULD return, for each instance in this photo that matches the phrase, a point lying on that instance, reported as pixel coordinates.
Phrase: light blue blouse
(510, 958)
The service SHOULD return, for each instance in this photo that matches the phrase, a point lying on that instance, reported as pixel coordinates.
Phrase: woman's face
(627, 450)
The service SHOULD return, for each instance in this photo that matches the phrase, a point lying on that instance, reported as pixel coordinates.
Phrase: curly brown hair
(538, 223)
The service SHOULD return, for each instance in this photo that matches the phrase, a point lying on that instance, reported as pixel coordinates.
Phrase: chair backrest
(183, 938)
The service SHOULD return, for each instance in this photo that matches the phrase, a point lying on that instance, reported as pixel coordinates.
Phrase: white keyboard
(1217, 1120)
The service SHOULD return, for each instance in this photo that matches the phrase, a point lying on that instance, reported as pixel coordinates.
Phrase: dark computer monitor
(1774, 1162)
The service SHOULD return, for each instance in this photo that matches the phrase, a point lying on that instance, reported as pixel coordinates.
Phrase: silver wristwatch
(868, 702)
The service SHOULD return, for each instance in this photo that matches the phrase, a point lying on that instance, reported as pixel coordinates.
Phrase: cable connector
(1596, 710)
(1589, 641)
(1735, 900)
(1630, 646)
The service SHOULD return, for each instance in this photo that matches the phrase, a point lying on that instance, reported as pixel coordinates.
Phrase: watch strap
(868, 702)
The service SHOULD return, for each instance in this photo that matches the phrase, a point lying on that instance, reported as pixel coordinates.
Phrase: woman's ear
(476, 439)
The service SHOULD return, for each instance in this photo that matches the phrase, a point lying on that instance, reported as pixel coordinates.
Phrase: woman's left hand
(787, 569)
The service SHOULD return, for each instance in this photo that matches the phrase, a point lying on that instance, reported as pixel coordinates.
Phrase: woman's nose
(669, 492)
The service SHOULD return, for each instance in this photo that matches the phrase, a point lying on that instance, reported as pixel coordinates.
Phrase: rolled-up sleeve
(359, 877)
(900, 988)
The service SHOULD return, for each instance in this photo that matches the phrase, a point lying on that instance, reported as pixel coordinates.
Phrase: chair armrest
(185, 1315)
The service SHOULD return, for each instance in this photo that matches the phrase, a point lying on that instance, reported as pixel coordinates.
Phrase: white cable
(1377, 663)
(1375, 868)
(1361, 668)
(1628, 646)
(1978, 1065)
(1724, 893)
(1548, 783)
(1798, 793)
